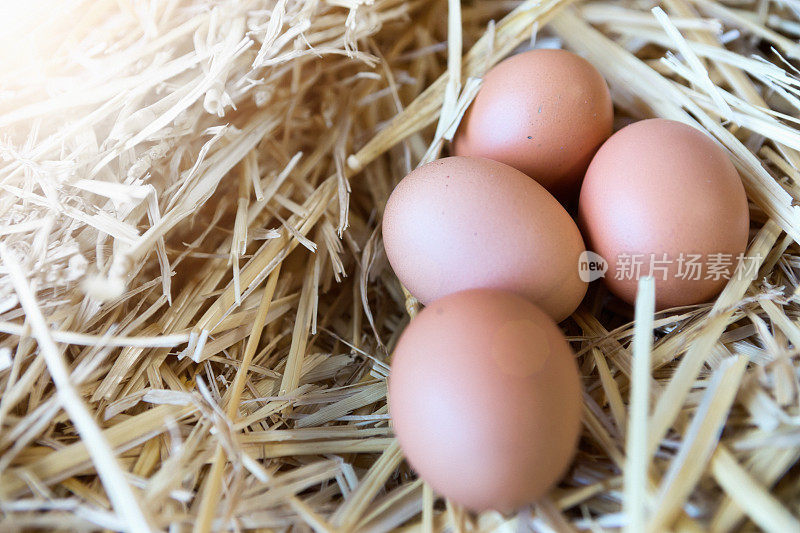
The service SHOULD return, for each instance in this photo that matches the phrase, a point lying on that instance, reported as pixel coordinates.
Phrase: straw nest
(197, 312)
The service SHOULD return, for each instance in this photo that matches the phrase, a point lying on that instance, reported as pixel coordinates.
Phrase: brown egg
(462, 223)
(485, 399)
(544, 112)
(661, 197)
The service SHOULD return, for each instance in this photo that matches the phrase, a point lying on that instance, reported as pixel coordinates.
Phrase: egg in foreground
(463, 223)
(485, 399)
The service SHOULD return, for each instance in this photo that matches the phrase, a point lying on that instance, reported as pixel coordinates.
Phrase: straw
(197, 314)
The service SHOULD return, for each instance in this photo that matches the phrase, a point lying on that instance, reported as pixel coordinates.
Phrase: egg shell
(461, 223)
(485, 399)
(663, 187)
(544, 112)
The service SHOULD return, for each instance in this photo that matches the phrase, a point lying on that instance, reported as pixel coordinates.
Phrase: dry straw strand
(637, 457)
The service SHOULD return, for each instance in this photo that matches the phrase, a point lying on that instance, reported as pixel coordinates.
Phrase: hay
(196, 310)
